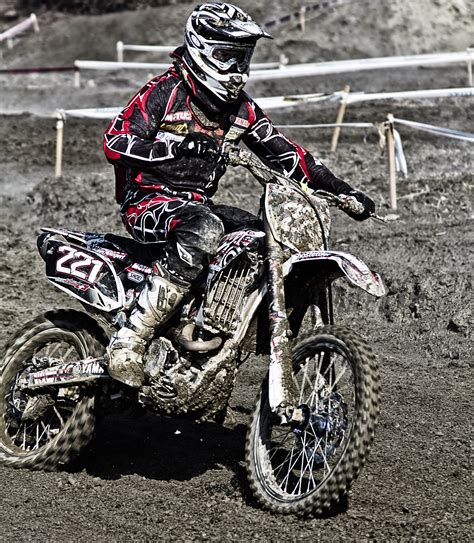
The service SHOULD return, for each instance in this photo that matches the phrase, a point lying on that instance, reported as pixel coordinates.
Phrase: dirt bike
(266, 292)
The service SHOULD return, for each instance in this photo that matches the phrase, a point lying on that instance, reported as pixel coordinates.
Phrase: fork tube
(280, 374)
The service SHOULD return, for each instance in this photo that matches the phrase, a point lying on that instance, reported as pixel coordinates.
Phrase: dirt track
(144, 478)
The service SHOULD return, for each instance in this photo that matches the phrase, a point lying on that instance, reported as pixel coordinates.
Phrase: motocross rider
(165, 147)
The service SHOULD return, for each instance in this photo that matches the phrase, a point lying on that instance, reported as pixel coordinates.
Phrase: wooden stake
(34, 21)
(120, 51)
(470, 53)
(302, 18)
(77, 77)
(391, 161)
(339, 118)
(59, 145)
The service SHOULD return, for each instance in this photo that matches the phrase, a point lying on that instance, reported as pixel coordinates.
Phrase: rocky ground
(144, 478)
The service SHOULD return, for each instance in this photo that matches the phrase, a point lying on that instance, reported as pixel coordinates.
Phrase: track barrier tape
(400, 160)
(462, 92)
(20, 27)
(438, 130)
(38, 70)
(356, 65)
(328, 125)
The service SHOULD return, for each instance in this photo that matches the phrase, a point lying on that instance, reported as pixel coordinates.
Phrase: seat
(144, 253)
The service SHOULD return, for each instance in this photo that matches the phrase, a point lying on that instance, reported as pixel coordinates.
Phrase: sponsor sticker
(136, 277)
(242, 122)
(178, 116)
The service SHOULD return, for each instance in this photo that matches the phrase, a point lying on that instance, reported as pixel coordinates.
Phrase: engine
(228, 291)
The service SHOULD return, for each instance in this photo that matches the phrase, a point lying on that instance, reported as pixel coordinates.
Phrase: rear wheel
(307, 469)
(46, 429)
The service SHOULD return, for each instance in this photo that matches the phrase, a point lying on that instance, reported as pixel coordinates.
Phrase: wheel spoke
(278, 468)
(306, 364)
(49, 353)
(315, 386)
(37, 437)
(58, 414)
(337, 379)
(290, 469)
(323, 454)
(46, 430)
(17, 432)
(68, 352)
(310, 464)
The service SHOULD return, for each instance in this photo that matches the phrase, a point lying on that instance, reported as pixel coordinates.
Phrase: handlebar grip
(349, 203)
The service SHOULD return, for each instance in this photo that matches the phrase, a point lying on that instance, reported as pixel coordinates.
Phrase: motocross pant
(191, 229)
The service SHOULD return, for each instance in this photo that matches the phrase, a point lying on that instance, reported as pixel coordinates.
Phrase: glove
(359, 206)
(197, 145)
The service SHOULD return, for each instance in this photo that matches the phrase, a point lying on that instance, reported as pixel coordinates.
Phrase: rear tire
(307, 470)
(65, 425)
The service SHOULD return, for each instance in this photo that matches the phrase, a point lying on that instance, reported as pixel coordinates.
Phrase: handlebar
(346, 203)
(235, 156)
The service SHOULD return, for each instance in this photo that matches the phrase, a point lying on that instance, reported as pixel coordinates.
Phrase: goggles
(225, 57)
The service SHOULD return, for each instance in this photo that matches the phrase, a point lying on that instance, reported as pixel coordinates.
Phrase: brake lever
(378, 218)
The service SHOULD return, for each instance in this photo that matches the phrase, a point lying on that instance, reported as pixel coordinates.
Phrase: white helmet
(219, 41)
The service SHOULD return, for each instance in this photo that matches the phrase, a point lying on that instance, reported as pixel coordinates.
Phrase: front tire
(308, 469)
(56, 431)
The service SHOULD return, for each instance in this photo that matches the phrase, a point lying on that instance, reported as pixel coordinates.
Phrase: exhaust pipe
(186, 341)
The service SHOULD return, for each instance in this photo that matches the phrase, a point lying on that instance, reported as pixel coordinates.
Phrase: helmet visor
(226, 57)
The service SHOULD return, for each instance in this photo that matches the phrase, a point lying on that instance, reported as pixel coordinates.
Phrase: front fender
(352, 268)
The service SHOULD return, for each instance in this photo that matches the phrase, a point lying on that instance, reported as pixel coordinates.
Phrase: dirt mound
(388, 27)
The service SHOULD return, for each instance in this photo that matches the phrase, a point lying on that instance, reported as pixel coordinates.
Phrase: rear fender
(81, 272)
(345, 265)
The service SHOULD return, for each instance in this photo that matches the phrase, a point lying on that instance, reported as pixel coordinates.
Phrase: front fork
(281, 390)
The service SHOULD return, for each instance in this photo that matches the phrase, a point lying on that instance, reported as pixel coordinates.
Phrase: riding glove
(197, 145)
(369, 206)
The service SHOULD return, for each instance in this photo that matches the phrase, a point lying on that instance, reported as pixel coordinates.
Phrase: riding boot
(128, 345)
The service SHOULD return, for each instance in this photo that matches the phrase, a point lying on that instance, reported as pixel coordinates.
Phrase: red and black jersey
(139, 141)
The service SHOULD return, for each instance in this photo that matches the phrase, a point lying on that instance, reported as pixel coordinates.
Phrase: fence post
(302, 18)
(392, 172)
(470, 54)
(77, 77)
(120, 51)
(34, 21)
(59, 144)
(340, 118)
(283, 60)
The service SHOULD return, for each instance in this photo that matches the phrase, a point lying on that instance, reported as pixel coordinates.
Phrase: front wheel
(46, 429)
(307, 469)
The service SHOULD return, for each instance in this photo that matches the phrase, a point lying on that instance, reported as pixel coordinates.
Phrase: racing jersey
(139, 142)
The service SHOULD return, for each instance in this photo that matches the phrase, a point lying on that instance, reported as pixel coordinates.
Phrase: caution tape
(48, 69)
(357, 65)
(463, 92)
(328, 125)
(266, 103)
(400, 160)
(439, 131)
(111, 65)
(89, 113)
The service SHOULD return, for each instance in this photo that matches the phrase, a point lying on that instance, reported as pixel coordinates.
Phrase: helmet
(219, 41)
